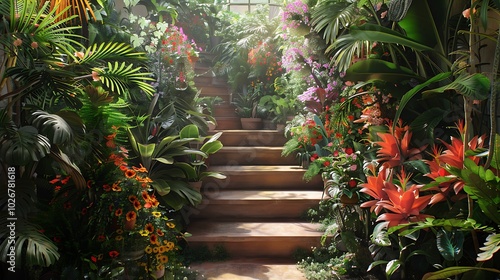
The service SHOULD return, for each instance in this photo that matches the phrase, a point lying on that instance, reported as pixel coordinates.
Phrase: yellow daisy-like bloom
(100, 256)
(119, 231)
(156, 250)
(118, 238)
(170, 245)
(170, 225)
(162, 249)
(163, 259)
(148, 250)
(143, 232)
(156, 214)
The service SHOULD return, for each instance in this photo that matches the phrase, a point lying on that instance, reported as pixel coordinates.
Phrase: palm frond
(117, 77)
(78, 8)
(111, 51)
(345, 49)
(331, 16)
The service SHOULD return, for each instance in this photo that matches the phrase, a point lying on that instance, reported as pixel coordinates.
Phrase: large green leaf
(24, 147)
(411, 93)
(450, 244)
(56, 126)
(376, 33)
(189, 131)
(377, 69)
(495, 160)
(475, 86)
(419, 24)
(482, 186)
(31, 246)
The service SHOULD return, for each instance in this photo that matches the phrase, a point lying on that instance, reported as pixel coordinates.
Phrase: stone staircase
(256, 213)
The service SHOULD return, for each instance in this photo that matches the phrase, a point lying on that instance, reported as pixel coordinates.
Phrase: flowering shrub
(127, 216)
(295, 14)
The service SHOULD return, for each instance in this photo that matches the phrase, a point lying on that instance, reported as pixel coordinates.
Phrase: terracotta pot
(268, 125)
(196, 185)
(129, 225)
(344, 199)
(251, 123)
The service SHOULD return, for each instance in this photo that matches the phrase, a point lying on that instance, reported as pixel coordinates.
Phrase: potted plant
(247, 107)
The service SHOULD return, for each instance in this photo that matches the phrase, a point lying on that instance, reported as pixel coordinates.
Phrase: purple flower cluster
(295, 14)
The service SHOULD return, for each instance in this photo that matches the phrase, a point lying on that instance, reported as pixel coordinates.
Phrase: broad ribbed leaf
(475, 86)
(377, 69)
(24, 147)
(409, 95)
(189, 131)
(376, 33)
(55, 126)
(450, 244)
(30, 242)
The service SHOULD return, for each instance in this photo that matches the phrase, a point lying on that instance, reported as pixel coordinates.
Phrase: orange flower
(140, 169)
(116, 187)
(149, 227)
(405, 206)
(114, 254)
(118, 212)
(131, 215)
(137, 205)
(129, 173)
(132, 198)
(95, 76)
(394, 149)
(153, 239)
(123, 168)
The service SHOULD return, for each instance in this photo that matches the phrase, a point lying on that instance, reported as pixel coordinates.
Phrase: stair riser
(253, 157)
(228, 123)
(252, 138)
(225, 111)
(272, 247)
(262, 180)
(259, 209)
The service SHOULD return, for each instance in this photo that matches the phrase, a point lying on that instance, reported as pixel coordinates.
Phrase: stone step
(225, 110)
(249, 269)
(239, 137)
(237, 204)
(228, 123)
(255, 239)
(262, 177)
(251, 155)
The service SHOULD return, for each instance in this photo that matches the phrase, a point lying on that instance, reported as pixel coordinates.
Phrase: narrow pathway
(256, 213)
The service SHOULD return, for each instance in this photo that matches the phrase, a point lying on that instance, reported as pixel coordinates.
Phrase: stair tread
(249, 148)
(258, 168)
(210, 230)
(242, 196)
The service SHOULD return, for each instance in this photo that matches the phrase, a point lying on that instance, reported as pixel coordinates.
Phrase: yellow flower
(148, 250)
(118, 238)
(170, 225)
(163, 259)
(162, 249)
(170, 245)
(156, 214)
(119, 231)
(143, 232)
(155, 250)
